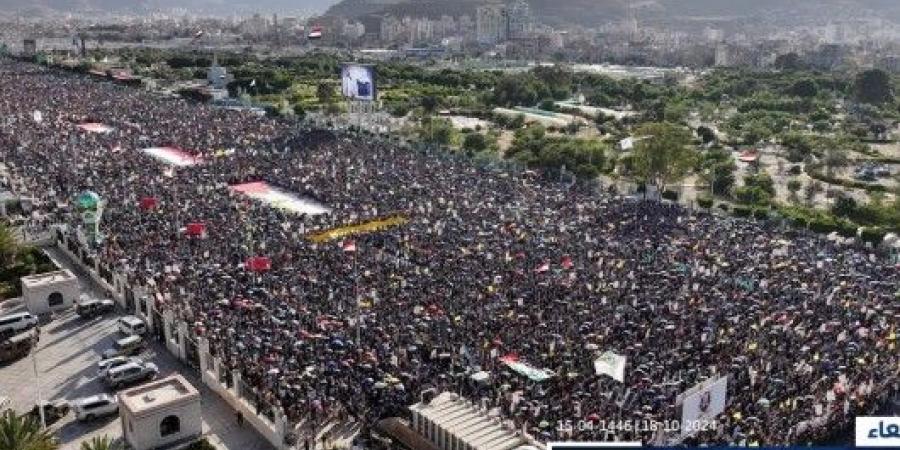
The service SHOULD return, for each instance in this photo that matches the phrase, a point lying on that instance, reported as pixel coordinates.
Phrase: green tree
(804, 88)
(324, 93)
(24, 433)
(722, 178)
(844, 206)
(663, 153)
(101, 443)
(706, 134)
(834, 157)
(436, 131)
(475, 143)
(429, 104)
(874, 87)
(9, 246)
(789, 61)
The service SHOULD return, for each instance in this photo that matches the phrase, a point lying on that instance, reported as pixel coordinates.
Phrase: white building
(52, 291)
(160, 413)
(451, 422)
(490, 24)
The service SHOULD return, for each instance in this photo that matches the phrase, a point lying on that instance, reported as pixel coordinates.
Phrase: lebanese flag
(349, 246)
(566, 262)
(542, 268)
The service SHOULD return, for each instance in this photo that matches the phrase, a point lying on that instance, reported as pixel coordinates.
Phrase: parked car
(131, 325)
(95, 406)
(17, 346)
(52, 412)
(127, 346)
(88, 307)
(13, 323)
(131, 373)
(105, 365)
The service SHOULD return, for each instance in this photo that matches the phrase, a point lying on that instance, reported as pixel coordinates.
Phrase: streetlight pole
(37, 381)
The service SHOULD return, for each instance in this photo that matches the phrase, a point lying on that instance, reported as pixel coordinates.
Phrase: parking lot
(66, 360)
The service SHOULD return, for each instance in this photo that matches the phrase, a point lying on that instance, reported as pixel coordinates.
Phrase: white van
(131, 325)
(17, 322)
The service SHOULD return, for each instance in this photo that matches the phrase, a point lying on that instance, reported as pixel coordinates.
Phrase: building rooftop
(159, 394)
(467, 423)
(41, 279)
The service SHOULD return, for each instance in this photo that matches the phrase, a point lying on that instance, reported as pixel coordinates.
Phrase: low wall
(175, 334)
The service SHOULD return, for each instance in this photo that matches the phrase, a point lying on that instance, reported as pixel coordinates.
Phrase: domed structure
(88, 200)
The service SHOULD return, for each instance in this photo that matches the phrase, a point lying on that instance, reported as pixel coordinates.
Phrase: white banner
(611, 365)
(701, 404)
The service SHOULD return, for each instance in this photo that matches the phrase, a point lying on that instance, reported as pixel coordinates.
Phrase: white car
(95, 406)
(131, 373)
(104, 365)
(131, 325)
(17, 322)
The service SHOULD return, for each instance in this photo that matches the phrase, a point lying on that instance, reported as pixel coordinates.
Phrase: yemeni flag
(349, 246)
(545, 267)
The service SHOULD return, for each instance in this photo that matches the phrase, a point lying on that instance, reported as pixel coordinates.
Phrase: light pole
(37, 381)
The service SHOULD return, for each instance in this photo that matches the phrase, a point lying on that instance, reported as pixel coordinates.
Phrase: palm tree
(101, 443)
(24, 433)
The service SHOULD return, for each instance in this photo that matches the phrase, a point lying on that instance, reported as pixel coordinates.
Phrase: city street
(67, 357)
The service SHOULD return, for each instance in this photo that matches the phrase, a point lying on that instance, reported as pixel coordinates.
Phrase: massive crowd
(489, 264)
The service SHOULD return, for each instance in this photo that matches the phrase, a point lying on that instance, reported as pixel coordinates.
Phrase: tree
(436, 131)
(844, 206)
(788, 61)
(722, 178)
(475, 143)
(706, 134)
(663, 153)
(834, 157)
(101, 443)
(804, 88)
(429, 104)
(24, 433)
(325, 93)
(873, 87)
(9, 246)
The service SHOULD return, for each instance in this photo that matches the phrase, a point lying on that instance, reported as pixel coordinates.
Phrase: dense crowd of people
(489, 264)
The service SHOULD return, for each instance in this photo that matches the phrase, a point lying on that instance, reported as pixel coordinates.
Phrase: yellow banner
(364, 227)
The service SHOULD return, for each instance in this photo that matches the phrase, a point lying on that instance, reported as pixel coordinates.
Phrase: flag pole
(356, 298)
